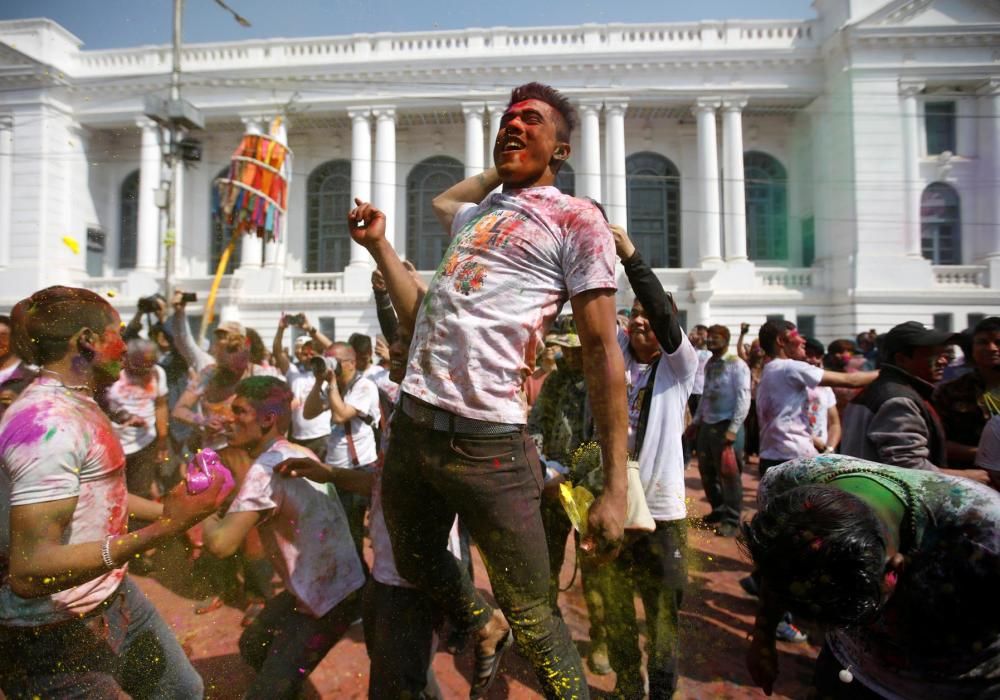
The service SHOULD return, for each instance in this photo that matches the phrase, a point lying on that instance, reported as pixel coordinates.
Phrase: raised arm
(387, 320)
(741, 348)
(281, 360)
(604, 371)
(183, 340)
(471, 190)
(849, 380)
(657, 304)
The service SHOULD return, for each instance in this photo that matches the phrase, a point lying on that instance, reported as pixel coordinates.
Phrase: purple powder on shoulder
(27, 426)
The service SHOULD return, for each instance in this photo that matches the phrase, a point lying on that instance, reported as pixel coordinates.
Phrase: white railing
(785, 277)
(468, 43)
(968, 276)
(315, 283)
(109, 287)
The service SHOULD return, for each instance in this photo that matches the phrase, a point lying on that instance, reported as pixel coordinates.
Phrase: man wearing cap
(308, 432)
(892, 421)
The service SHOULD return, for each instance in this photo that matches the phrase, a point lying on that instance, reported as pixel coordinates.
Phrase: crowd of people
(464, 421)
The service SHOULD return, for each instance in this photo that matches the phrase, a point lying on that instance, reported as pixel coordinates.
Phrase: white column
(912, 186)
(251, 247)
(385, 170)
(708, 182)
(6, 187)
(361, 167)
(616, 195)
(474, 142)
(588, 177)
(991, 92)
(496, 111)
(734, 195)
(180, 261)
(148, 234)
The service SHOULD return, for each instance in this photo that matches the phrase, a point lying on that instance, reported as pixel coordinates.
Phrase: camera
(149, 305)
(295, 319)
(189, 297)
(320, 364)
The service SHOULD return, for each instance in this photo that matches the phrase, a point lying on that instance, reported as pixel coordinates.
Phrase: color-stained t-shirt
(56, 443)
(305, 531)
(781, 409)
(726, 395)
(513, 261)
(818, 404)
(938, 635)
(138, 397)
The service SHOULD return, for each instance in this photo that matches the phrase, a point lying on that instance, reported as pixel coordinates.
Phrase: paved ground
(716, 617)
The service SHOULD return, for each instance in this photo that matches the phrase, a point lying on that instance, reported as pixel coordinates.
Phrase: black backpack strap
(647, 402)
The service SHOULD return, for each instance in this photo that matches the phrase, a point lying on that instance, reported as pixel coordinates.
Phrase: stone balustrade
(409, 47)
(317, 283)
(785, 277)
(960, 276)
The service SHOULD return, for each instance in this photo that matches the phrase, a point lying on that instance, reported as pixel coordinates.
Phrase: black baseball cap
(913, 335)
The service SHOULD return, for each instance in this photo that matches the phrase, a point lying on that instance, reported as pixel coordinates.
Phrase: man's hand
(762, 659)
(744, 328)
(378, 282)
(178, 300)
(366, 224)
(605, 527)
(214, 424)
(181, 509)
(305, 468)
(623, 244)
(381, 350)
(730, 438)
(691, 432)
(283, 322)
(135, 422)
(162, 452)
(819, 445)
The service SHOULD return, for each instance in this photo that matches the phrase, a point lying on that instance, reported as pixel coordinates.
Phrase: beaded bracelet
(109, 563)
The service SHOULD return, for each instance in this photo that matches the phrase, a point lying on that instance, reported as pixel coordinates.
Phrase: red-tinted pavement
(715, 619)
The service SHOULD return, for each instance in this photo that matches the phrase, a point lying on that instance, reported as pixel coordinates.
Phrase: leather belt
(427, 416)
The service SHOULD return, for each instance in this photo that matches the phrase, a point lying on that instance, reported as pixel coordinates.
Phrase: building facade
(840, 172)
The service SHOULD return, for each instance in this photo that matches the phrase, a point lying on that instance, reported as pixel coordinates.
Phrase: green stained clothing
(560, 419)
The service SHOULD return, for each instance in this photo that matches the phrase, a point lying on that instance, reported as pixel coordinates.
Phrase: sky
(105, 24)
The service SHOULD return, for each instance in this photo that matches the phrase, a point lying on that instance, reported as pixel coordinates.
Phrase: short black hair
(258, 351)
(821, 551)
(720, 329)
(990, 324)
(770, 332)
(701, 327)
(361, 343)
(42, 324)
(814, 348)
(268, 395)
(554, 99)
(4, 320)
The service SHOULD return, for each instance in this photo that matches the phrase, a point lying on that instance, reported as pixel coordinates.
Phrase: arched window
(566, 180)
(941, 225)
(426, 241)
(767, 207)
(220, 232)
(328, 201)
(653, 188)
(128, 222)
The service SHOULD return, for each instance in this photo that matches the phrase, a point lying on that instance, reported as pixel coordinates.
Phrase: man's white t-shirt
(305, 533)
(699, 378)
(514, 260)
(55, 444)
(301, 380)
(363, 396)
(661, 458)
(782, 397)
(138, 397)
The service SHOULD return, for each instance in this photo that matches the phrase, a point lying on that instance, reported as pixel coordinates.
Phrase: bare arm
(223, 536)
(183, 340)
(832, 427)
(162, 424)
(281, 360)
(143, 509)
(354, 480)
(471, 190)
(604, 371)
(340, 410)
(40, 564)
(313, 405)
(741, 350)
(849, 380)
(184, 408)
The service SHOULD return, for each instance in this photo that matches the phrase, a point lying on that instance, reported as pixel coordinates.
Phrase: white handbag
(637, 515)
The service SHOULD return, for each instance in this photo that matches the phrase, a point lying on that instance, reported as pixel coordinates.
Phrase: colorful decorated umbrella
(253, 197)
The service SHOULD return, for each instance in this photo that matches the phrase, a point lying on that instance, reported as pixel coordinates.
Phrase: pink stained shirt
(514, 260)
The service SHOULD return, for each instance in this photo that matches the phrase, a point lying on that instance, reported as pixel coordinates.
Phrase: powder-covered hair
(268, 395)
(821, 551)
(42, 324)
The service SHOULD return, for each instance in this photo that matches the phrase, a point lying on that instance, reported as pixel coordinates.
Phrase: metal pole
(174, 156)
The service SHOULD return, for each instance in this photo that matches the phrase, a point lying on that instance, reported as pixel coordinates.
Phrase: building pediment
(940, 14)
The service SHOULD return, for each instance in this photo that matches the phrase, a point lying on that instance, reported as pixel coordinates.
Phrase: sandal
(207, 605)
(253, 609)
(487, 667)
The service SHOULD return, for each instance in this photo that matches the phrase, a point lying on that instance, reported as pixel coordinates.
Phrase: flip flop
(487, 667)
(207, 605)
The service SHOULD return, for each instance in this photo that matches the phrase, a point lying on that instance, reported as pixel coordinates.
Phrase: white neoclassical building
(841, 172)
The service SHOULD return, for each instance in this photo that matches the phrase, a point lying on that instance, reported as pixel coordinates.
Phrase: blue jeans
(124, 645)
(494, 484)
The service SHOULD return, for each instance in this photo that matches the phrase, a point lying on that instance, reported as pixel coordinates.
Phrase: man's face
(925, 363)
(4, 340)
(698, 337)
(345, 359)
(716, 342)
(304, 352)
(814, 359)
(231, 351)
(794, 344)
(527, 142)
(641, 338)
(399, 350)
(243, 429)
(139, 363)
(109, 349)
(985, 351)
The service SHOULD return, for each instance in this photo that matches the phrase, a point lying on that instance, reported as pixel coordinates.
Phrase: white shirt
(820, 401)
(661, 459)
(513, 261)
(301, 380)
(781, 409)
(139, 399)
(363, 396)
(699, 378)
(305, 532)
(56, 444)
